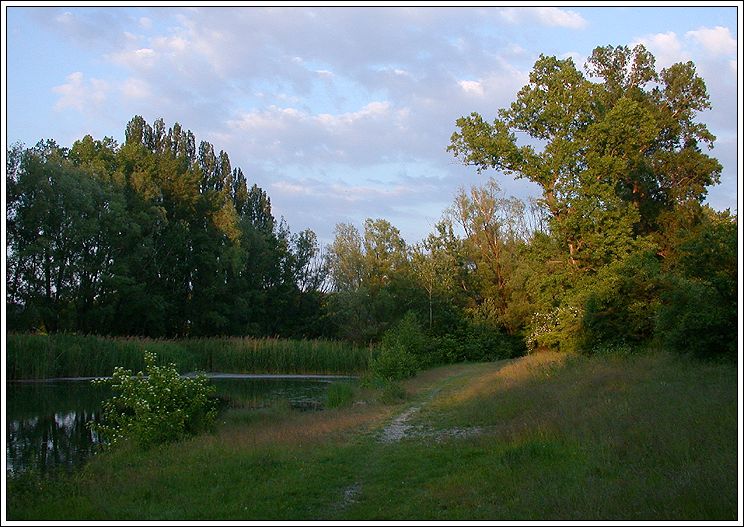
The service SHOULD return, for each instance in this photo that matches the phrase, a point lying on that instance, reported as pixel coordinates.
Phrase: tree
(60, 221)
(153, 237)
(618, 154)
(346, 259)
(614, 152)
(495, 230)
(370, 279)
(385, 253)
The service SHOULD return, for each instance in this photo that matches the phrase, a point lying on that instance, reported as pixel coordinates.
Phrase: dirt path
(401, 427)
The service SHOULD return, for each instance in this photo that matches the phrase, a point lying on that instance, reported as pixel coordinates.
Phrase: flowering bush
(155, 407)
(557, 329)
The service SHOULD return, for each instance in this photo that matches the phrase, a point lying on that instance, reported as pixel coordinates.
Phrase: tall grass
(635, 438)
(64, 355)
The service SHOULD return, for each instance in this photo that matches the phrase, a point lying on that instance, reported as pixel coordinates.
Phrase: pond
(46, 421)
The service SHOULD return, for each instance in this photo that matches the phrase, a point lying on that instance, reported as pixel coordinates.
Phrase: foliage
(68, 355)
(408, 334)
(698, 308)
(695, 318)
(154, 407)
(618, 155)
(654, 434)
(162, 237)
(621, 301)
(402, 352)
(393, 362)
(476, 341)
(339, 394)
(157, 237)
(557, 329)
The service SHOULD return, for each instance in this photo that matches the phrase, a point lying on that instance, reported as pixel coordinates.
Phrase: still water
(46, 421)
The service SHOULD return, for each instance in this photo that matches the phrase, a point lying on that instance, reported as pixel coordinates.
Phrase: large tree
(156, 238)
(611, 147)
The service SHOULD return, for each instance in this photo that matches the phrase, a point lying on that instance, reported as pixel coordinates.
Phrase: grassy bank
(543, 437)
(63, 355)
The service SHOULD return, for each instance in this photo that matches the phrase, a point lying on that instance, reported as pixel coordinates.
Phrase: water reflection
(256, 393)
(46, 421)
(46, 424)
(48, 442)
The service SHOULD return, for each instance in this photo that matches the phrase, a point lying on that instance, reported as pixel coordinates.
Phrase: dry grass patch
(279, 427)
(485, 380)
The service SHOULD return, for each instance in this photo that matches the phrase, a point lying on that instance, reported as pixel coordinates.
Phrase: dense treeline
(157, 237)
(618, 252)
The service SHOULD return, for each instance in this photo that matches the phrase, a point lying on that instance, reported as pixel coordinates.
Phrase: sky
(339, 113)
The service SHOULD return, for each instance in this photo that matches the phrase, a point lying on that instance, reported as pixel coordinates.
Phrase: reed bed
(67, 355)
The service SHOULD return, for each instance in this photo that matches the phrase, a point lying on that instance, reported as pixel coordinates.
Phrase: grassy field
(543, 437)
(63, 355)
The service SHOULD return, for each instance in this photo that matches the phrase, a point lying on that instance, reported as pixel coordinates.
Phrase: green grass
(650, 437)
(64, 355)
(339, 394)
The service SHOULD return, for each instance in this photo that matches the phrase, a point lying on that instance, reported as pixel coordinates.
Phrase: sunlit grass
(647, 437)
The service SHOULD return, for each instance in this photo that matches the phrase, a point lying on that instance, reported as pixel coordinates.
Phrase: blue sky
(339, 113)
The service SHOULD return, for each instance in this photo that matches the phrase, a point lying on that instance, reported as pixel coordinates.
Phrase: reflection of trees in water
(50, 441)
(46, 430)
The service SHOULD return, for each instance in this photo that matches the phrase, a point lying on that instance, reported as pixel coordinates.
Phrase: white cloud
(716, 40)
(79, 94)
(552, 16)
(171, 44)
(136, 58)
(547, 16)
(666, 47)
(471, 87)
(134, 88)
(282, 135)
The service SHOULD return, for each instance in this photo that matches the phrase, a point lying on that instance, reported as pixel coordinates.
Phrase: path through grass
(652, 437)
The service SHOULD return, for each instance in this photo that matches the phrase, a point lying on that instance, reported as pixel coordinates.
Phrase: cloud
(547, 16)
(716, 40)
(291, 135)
(97, 28)
(138, 59)
(79, 94)
(472, 87)
(666, 48)
(342, 112)
(134, 88)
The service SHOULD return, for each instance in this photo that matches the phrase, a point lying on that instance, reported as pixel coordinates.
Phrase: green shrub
(155, 407)
(558, 329)
(620, 303)
(393, 362)
(449, 349)
(484, 342)
(698, 311)
(339, 394)
(403, 350)
(476, 340)
(694, 317)
(409, 335)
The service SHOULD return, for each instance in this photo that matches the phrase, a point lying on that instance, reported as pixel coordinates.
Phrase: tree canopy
(153, 237)
(162, 236)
